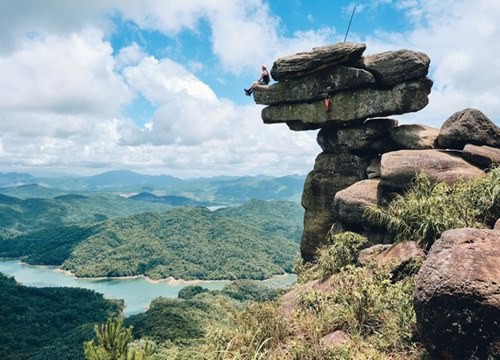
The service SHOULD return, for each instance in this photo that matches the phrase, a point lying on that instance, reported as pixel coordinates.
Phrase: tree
(113, 343)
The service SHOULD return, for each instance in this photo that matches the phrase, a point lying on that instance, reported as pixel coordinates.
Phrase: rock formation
(366, 158)
(343, 93)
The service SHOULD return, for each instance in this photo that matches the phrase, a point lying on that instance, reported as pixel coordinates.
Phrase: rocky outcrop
(457, 297)
(469, 126)
(366, 158)
(351, 106)
(347, 96)
(334, 84)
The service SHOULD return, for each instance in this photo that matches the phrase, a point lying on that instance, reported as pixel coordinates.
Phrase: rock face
(457, 297)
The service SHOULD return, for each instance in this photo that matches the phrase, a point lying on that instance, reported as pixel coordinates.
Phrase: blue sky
(155, 86)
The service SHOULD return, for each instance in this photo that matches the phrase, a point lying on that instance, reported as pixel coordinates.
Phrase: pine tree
(113, 340)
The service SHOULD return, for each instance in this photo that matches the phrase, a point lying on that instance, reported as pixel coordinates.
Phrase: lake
(137, 293)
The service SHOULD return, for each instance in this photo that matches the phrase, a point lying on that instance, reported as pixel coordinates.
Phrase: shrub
(427, 210)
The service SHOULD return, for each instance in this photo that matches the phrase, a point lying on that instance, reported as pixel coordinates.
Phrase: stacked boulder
(366, 157)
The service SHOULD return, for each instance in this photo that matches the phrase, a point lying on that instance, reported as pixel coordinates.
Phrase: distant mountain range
(160, 188)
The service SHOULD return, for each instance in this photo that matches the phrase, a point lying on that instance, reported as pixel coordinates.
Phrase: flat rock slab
(349, 106)
(319, 58)
(313, 87)
(484, 156)
(398, 168)
(393, 67)
(457, 295)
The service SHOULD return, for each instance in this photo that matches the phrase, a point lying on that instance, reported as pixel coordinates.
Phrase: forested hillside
(255, 240)
(48, 323)
(194, 243)
(21, 216)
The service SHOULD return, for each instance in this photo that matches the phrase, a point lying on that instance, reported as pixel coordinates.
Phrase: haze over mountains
(215, 191)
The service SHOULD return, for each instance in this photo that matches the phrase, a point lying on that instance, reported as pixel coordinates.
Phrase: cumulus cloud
(458, 37)
(63, 87)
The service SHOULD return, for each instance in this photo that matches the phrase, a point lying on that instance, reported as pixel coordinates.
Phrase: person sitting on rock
(263, 80)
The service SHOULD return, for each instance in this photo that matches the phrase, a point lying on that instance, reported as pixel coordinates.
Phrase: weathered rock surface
(399, 255)
(416, 137)
(371, 135)
(349, 106)
(317, 86)
(469, 126)
(373, 170)
(483, 156)
(398, 168)
(393, 67)
(351, 203)
(304, 63)
(332, 172)
(457, 297)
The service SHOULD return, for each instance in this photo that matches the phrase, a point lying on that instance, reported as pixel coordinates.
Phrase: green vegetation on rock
(427, 210)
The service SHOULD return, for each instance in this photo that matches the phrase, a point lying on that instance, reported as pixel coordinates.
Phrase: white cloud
(62, 88)
(458, 36)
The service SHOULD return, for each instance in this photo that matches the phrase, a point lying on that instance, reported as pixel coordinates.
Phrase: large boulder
(371, 135)
(469, 126)
(484, 156)
(319, 58)
(398, 168)
(313, 87)
(416, 137)
(393, 67)
(332, 172)
(351, 203)
(457, 296)
(349, 106)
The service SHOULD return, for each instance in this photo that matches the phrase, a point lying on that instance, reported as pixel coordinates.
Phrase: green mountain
(192, 243)
(21, 216)
(49, 323)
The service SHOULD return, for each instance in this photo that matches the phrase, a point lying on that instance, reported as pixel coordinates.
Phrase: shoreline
(169, 280)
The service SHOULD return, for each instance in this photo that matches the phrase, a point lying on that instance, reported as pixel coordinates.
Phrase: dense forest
(194, 243)
(22, 216)
(49, 323)
(257, 239)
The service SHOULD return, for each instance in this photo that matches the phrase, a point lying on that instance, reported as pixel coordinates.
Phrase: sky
(156, 86)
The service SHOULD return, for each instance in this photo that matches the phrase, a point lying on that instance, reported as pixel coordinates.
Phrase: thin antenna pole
(350, 21)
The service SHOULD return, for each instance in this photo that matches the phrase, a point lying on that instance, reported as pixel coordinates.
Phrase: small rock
(484, 156)
(415, 137)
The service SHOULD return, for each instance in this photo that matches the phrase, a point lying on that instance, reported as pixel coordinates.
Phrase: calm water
(137, 292)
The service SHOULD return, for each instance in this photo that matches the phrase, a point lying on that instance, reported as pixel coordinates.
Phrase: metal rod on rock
(350, 21)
